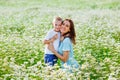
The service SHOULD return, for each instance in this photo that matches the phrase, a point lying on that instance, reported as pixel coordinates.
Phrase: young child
(53, 36)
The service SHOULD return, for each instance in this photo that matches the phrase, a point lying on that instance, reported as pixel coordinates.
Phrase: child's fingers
(56, 36)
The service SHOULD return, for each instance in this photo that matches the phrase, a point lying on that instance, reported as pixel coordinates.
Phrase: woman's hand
(64, 57)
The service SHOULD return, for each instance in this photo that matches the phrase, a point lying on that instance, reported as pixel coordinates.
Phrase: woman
(65, 52)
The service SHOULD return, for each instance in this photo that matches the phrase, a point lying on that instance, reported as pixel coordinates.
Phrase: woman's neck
(66, 34)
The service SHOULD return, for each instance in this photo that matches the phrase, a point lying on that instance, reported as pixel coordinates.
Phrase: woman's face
(65, 27)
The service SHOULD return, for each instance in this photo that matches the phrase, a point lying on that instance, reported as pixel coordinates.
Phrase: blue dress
(66, 45)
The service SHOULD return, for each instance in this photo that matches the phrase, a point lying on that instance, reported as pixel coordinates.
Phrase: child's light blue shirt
(49, 35)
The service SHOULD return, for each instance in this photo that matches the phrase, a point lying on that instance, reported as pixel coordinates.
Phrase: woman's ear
(69, 30)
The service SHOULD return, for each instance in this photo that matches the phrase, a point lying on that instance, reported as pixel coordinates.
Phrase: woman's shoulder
(66, 40)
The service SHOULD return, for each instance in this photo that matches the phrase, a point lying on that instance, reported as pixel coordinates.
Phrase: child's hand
(51, 47)
(54, 38)
(61, 38)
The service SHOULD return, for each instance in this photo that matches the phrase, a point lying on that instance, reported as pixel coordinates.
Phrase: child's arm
(48, 41)
(51, 40)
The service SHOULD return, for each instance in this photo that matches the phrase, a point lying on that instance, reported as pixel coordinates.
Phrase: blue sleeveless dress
(66, 45)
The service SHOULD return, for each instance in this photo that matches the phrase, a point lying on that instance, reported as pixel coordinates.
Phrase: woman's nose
(63, 26)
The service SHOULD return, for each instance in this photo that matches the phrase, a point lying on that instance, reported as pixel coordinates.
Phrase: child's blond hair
(57, 19)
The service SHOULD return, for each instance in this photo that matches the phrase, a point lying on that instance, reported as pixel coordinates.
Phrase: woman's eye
(66, 25)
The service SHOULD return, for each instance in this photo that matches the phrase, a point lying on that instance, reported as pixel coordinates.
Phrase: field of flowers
(24, 23)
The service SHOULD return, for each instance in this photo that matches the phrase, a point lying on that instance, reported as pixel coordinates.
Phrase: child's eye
(55, 24)
(59, 25)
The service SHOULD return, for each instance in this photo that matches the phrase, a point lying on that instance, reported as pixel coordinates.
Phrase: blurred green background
(24, 23)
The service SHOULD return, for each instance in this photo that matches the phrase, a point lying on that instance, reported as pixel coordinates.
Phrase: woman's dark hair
(72, 33)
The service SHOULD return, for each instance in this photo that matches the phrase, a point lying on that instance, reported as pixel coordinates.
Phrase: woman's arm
(63, 57)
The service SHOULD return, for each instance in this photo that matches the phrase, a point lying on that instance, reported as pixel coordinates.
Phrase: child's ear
(52, 24)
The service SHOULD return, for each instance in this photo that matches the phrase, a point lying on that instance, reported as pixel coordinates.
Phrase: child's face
(57, 25)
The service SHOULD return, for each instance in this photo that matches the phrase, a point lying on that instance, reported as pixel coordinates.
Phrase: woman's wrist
(54, 51)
